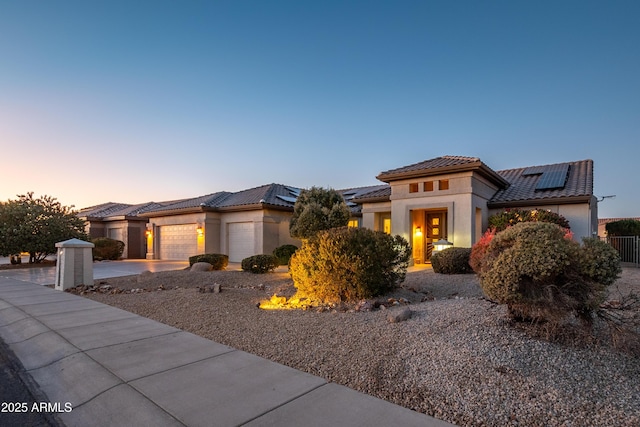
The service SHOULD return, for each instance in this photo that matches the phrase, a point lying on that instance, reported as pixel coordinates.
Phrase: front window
(353, 223)
(413, 187)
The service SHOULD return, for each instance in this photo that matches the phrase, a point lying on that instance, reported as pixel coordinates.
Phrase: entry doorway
(428, 227)
(436, 223)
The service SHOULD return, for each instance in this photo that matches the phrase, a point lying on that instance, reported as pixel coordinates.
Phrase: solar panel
(553, 177)
(533, 170)
(287, 198)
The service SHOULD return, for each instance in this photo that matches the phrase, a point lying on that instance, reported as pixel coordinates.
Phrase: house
(448, 197)
(452, 197)
(119, 221)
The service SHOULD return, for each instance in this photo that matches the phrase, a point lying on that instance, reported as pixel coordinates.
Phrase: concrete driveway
(101, 270)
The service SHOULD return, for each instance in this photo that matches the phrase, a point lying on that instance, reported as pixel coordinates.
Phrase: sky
(137, 101)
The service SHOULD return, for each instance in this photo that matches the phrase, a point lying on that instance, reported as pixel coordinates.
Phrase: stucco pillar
(75, 264)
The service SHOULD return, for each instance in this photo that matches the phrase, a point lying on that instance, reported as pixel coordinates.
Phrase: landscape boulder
(399, 315)
(201, 266)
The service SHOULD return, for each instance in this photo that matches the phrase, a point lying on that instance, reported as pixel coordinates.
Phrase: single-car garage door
(178, 242)
(241, 240)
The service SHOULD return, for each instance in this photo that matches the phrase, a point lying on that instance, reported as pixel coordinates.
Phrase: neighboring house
(119, 221)
(602, 224)
(449, 197)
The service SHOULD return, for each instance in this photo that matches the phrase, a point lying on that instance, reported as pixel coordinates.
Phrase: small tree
(318, 209)
(36, 225)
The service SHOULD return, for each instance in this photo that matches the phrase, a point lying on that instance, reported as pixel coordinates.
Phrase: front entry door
(436, 229)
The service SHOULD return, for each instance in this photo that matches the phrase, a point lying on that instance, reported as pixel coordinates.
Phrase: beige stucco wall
(582, 217)
(468, 193)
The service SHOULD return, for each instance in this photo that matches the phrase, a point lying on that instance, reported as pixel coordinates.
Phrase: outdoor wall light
(442, 244)
(148, 233)
(418, 231)
(200, 231)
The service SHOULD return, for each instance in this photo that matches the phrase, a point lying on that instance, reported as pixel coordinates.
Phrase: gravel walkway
(457, 358)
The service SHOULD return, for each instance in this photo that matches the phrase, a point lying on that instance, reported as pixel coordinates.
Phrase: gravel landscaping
(457, 358)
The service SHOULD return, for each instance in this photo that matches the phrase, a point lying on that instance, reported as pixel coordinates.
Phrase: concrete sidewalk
(108, 367)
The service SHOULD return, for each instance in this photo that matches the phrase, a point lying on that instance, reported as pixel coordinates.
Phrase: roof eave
(467, 167)
(172, 212)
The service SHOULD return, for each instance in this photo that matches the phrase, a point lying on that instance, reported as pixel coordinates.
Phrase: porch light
(200, 231)
(442, 244)
(148, 233)
(418, 231)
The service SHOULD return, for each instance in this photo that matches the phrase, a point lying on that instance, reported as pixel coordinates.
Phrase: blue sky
(133, 101)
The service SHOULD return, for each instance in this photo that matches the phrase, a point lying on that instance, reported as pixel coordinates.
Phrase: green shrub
(283, 253)
(218, 261)
(623, 227)
(347, 264)
(106, 248)
(260, 263)
(599, 261)
(541, 274)
(452, 261)
(509, 217)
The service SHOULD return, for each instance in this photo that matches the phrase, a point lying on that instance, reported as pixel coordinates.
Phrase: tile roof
(437, 163)
(440, 165)
(102, 210)
(270, 194)
(208, 200)
(384, 192)
(522, 188)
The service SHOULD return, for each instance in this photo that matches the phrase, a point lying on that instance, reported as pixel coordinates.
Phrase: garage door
(178, 242)
(241, 240)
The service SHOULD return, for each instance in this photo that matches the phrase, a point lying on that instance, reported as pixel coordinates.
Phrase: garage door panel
(241, 240)
(178, 242)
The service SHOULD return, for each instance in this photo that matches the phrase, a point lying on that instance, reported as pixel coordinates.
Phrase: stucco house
(448, 197)
(452, 197)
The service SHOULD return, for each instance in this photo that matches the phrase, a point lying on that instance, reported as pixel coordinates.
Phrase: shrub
(599, 261)
(106, 248)
(218, 261)
(347, 264)
(541, 274)
(623, 227)
(283, 253)
(452, 261)
(260, 263)
(509, 217)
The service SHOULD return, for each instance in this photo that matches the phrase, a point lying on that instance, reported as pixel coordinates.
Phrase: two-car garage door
(178, 242)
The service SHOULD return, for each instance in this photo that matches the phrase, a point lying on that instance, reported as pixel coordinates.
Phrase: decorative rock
(396, 316)
(201, 266)
(215, 288)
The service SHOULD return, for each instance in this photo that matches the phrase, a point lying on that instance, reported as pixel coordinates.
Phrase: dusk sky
(136, 101)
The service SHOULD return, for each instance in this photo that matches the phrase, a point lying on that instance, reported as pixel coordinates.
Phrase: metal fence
(628, 247)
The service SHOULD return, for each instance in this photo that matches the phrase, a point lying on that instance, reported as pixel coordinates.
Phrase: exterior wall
(271, 228)
(129, 231)
(467, 195)
(582, 218)
(371, 212)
